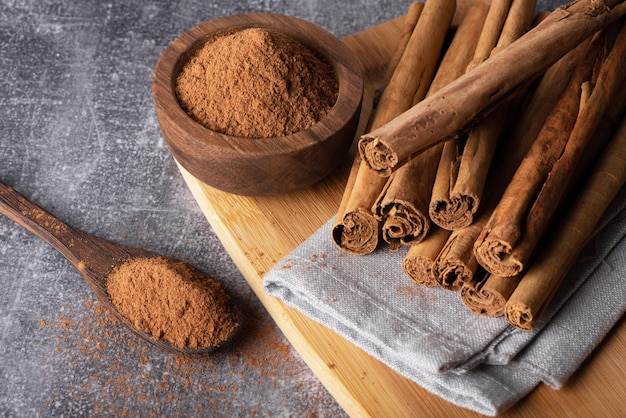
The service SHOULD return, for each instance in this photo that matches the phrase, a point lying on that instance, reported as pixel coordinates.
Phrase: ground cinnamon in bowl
(172, 301)
(256, 83)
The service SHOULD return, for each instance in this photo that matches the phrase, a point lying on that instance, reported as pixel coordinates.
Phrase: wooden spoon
(93, 257)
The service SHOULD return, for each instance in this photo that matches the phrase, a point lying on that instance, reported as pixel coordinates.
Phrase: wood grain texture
(259, 166)
(94, 258)
(257, 232)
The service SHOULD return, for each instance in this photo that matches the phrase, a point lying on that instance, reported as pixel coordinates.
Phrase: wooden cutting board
(258, 231)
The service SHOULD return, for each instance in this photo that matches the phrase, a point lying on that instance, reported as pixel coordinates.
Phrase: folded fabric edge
(504, 349)
(439, 384)
(485, 390)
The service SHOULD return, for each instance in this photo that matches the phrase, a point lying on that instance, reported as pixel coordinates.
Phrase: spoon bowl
(93, 257)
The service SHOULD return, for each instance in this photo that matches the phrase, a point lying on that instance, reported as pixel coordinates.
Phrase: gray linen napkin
(429, 336)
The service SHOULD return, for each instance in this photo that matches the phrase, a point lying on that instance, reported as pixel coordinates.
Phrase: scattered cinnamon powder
(117, 374)
(173, 302)
(256, 83)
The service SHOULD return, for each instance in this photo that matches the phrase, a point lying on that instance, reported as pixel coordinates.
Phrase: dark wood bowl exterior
(265, 166)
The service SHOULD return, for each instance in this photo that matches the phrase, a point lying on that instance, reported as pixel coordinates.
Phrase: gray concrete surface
(79, 136)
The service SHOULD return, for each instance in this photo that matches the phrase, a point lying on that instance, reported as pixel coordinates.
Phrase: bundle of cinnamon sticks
(494, 149)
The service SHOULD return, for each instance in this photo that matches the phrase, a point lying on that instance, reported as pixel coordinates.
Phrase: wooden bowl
(266, 166)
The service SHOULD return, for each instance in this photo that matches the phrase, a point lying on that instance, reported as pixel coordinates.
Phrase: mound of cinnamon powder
(256, 83)
(173, 302)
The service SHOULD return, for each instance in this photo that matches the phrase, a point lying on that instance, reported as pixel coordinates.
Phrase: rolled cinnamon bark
(404, 220)
(534, 112)
(539, 283)
(542, 100)
(488, 295)
(403, 203)
(420, 258)
(525, 210)
(491, 31)
(462, 172)
(408, 26)
(442, 116)
(356, 230)
(409, 21)
(456, 264)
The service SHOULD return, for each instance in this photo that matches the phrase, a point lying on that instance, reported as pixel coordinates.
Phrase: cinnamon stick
(462, 172)
(489, 295)
(403, 203)
(491, 31)
(510, 211)
(355, 229)
(547, 272)
(408, 26)
(442, 116)
(524, 212)
(413, 73)
(542, 100)
(456, 264)
(447, 170)
(457, 258)
(420, 258)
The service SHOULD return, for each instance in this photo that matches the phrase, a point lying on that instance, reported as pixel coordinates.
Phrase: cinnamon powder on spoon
(173, 302)
(256, 83)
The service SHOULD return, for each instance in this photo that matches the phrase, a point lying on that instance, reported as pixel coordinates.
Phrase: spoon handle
(34, 219)
(93, 257)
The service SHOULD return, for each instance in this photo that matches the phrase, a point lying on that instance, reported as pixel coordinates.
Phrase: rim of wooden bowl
(345, 64)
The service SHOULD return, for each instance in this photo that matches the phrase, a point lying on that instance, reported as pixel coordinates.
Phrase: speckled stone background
(79, 137)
